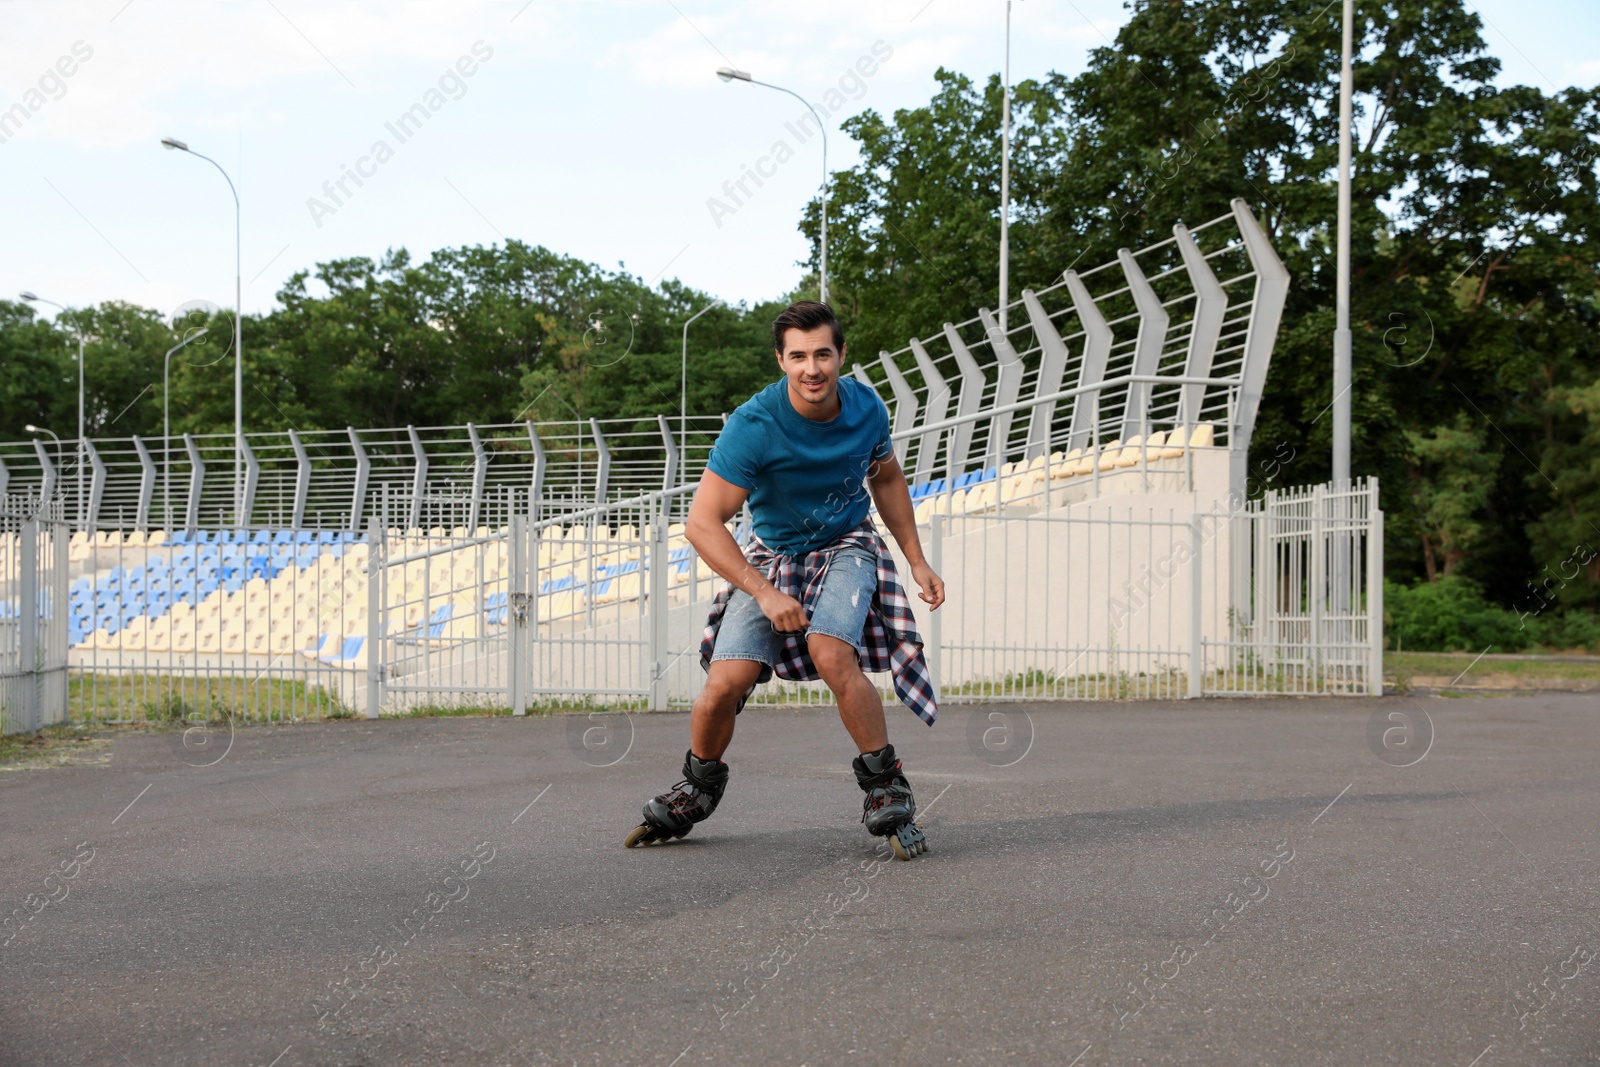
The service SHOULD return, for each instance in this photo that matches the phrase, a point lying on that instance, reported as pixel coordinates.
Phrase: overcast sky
(596, 129)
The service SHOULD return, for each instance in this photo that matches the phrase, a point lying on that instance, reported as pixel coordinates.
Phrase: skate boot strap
(706, 776)
(874, 769)
(886, 777)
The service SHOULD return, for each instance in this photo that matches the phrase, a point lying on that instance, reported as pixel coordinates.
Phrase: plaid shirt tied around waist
(889, 641)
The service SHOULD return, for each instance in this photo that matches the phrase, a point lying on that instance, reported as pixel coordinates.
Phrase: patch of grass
(449, 711)
(542, 708)
(104, 697)
(53, 746)
(1048, 685)
(1443, 669)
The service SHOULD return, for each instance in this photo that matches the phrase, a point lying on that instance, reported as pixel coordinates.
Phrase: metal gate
(33, 617)
(1282, 595)
(563, 612)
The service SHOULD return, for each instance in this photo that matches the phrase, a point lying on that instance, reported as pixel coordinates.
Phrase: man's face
(811, 364)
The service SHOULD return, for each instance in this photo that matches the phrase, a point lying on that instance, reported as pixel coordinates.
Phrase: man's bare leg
(888, 808)
(711, 719)
(860, 707)
(674, 813)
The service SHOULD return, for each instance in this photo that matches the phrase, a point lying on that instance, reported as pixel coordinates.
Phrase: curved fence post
(358, 498)
(197, 481)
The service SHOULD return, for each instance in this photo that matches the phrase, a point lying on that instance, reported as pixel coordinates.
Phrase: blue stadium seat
(495, 608)
(350, 649)
(436, 623)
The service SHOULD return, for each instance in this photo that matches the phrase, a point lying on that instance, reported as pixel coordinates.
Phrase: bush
(1574, 629)
(1449, 615)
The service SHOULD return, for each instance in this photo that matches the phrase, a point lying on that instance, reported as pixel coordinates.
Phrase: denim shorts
(840, 611)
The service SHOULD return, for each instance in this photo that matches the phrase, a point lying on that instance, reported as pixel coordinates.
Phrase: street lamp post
(729, 74)
(238, 333)
(1341, 331)
(34, 298)
(166, 420)
(1005, 180)
(683, 387)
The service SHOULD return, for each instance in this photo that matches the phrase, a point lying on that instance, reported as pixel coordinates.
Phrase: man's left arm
(887, 483)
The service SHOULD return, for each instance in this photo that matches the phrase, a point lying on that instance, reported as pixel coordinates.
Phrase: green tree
(1450, 470)
(36, 365)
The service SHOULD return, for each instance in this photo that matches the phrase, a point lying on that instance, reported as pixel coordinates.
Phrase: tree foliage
(1475, 244)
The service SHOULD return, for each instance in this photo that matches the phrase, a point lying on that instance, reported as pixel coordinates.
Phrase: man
(815, 590)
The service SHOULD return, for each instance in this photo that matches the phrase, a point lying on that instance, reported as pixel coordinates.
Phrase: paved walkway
(1273, 881)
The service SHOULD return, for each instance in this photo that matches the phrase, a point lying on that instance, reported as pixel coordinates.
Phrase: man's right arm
(717, 500)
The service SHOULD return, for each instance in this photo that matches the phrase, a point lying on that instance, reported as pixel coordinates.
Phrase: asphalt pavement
(1274, 881)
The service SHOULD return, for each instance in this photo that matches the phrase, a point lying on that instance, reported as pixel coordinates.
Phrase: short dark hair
(805, 315)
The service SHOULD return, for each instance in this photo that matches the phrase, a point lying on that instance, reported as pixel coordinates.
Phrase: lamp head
(29, 297)
(32, 429)
(728, 74)
(173, 142)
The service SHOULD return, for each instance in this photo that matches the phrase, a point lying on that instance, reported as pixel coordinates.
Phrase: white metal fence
(1059, 587)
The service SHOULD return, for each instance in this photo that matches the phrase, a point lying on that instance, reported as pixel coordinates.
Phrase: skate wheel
(642, 834)
(908, 841)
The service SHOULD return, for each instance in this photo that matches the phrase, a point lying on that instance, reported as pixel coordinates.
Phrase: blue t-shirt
(807, 479)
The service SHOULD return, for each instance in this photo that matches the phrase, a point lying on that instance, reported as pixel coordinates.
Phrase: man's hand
(783, 611)
(932, 585)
